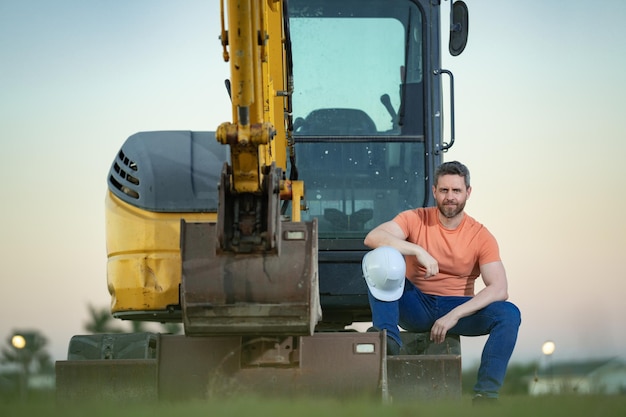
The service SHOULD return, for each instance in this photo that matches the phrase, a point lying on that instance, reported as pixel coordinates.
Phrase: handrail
(445, 145)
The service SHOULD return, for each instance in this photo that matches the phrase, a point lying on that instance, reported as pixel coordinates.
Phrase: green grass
(549, 406)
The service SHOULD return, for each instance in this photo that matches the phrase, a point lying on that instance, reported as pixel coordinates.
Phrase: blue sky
(539, 102)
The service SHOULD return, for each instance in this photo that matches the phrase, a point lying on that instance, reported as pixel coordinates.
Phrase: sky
(540, 122)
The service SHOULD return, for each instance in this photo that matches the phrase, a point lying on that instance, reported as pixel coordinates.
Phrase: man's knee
(510, 313)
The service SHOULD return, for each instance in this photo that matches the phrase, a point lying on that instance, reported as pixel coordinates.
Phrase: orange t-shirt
(459, 252)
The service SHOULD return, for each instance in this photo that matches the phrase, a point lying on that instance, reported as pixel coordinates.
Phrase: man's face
(451, 194)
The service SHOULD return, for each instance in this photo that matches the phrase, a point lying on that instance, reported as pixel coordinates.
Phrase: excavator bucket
(227, 293)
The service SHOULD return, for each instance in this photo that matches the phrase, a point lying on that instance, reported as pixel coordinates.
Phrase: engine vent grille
(123, 175)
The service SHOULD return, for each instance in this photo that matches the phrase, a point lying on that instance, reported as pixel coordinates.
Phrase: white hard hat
(384, 271)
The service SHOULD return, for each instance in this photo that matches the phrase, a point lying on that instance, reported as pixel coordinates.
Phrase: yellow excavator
(214, 229)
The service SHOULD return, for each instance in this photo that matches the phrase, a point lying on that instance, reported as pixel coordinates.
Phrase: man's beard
(450, 211)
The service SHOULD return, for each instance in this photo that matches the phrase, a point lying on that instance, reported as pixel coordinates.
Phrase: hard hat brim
(386, 295)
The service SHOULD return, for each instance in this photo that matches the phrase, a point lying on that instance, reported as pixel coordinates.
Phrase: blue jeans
(417, 312)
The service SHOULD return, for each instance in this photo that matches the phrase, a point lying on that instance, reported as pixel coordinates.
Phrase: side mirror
(459, 27)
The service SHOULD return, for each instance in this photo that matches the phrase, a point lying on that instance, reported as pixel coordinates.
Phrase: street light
(548, 348)
(18, 341)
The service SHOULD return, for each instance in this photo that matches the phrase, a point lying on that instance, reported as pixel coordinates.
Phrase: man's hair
(453, 168)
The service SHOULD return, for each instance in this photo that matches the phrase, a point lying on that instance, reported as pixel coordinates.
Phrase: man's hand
(440, 328)
(429, 263)
(495, 289)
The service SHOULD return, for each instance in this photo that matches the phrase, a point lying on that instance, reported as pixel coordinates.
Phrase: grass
(548, 406)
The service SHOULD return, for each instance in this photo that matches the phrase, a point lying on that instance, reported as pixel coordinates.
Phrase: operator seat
(336, 121)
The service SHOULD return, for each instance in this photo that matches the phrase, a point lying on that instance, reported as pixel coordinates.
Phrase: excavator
(251, 235)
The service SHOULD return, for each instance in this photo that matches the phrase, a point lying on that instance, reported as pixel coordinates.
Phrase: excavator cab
(364, 128)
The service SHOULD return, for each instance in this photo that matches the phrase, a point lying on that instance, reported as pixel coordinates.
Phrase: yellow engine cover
(144, 262)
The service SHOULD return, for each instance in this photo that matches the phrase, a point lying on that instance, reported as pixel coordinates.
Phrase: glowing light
(18, 341)
(548, 348)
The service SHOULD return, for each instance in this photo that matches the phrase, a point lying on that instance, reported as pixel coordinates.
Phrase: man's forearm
(481, 300)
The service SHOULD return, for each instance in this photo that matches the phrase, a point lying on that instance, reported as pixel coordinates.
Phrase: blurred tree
(137, 326)
(26, 348)
(173, 328)
(517, 378)
(101, 321)
(515, 382)
(25, 351)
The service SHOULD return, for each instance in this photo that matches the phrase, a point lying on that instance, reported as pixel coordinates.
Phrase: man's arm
(496, 289)
(391, 234)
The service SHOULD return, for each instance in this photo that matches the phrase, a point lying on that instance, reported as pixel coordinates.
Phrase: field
(549, 406)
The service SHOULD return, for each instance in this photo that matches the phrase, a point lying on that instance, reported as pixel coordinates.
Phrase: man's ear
(469, 191)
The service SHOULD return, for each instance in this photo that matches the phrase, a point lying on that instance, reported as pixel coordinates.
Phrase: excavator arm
(258, 273)
(256, 43)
